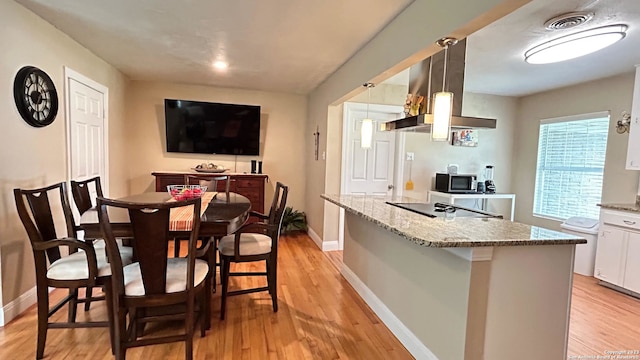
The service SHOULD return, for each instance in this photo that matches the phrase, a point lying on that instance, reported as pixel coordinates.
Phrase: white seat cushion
(176, 276)
(250, 244)
(75, 267)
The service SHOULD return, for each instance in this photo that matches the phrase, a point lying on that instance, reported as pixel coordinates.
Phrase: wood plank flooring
(601, 319)
(320, 317)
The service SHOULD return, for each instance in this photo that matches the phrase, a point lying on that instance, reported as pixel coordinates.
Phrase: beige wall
(495, 147)
(613, 94)
(34, 157)
(382, 94)
(282, 136)
(409, 38)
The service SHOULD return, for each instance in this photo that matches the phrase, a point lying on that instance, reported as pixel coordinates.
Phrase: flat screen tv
(212, 128)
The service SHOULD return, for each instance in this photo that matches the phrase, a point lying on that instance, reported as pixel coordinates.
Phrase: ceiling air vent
(568, 20)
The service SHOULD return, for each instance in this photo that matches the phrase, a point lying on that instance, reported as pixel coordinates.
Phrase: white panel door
(610, 255)
(368, 171)
(86, 118)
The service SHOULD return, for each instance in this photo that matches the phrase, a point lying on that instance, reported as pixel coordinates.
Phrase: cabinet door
(632, 268)
(611, 255)
(633, 147)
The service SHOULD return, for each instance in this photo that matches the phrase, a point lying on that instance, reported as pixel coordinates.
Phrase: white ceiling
(276, 45)
(292, 46)
(495, 54)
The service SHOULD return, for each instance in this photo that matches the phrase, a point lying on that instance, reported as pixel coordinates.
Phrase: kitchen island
(467, 288)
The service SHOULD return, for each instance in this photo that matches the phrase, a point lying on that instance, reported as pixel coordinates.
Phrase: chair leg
(206, 297)
(273, 282)
(87, 300)
(189, 327)
(43, 319)
(110, 315)
(73, 305)
(120, 327)
(224, 266)
(215, 264)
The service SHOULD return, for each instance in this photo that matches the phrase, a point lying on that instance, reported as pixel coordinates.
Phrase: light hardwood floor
(320, 317)
(601, 319)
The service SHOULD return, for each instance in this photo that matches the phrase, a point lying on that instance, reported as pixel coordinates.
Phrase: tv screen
(212, 128)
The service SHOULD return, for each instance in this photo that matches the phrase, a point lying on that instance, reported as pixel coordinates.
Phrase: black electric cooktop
(439, 210)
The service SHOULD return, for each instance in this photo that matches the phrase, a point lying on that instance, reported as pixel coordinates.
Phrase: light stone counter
(622, 207)
(438, 232)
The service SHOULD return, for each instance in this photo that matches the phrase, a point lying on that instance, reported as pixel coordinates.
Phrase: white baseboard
(18, 305)
(406, 337)
(323, 245)
(330, 245)
(314, 236)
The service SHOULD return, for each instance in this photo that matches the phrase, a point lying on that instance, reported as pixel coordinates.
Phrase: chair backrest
(80, 190)
(151, 234)
(38, 218)
(276, 214)
(210, 181)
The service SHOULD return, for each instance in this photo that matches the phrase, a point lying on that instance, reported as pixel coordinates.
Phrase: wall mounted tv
(212, 128)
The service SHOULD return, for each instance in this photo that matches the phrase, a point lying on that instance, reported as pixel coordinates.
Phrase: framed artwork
(467, 138)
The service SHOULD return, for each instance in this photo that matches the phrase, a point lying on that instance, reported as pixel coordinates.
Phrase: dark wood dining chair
(155, 282)
(213, 184)
(218, 183)
(254, 242)
(80, 269)
(81, 193)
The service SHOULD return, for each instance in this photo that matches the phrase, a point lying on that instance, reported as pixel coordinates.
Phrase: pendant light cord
(444, 73)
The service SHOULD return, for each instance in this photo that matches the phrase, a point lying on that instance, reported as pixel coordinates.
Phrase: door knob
(390, 187)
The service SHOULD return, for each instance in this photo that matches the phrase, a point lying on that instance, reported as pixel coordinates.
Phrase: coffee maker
(489, 185)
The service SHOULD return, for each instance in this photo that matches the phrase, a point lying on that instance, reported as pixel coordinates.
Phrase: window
(571, 155)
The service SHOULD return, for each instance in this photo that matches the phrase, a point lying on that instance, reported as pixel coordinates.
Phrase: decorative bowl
(183, 192)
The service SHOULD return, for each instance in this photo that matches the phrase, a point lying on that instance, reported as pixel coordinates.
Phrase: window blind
(570, 168)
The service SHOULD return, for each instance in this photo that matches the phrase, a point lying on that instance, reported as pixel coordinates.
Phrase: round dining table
(223, 215)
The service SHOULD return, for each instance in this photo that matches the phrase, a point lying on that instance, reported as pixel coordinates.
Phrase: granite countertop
(438, 232)
(622, 207)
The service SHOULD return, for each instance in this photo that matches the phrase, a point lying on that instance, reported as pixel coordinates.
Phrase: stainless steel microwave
(455, 183)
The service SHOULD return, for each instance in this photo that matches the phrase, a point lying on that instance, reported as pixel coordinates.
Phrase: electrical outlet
(410, 156)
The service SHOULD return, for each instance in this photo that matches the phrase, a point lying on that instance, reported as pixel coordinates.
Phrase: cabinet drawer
(252, 195)
(249, 183)
(619, 218)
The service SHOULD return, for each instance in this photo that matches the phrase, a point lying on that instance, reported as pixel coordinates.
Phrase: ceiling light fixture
(220, 65)
(443, 101)
(366, 128)
(575, 45)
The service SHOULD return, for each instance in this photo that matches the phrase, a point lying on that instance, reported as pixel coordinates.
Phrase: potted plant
(293, 220)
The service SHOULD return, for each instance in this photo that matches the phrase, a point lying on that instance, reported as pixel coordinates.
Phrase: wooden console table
(249, 185)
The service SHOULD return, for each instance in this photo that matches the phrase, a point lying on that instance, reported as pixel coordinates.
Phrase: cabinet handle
(629, 222)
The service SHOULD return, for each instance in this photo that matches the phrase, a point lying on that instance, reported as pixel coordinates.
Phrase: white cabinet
(632, 267)
(633, 148)
(610, 255)
(618, 251)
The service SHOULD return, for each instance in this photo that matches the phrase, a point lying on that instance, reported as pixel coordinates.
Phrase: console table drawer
(249, 183)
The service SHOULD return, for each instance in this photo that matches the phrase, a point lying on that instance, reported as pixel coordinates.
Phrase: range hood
(425, 80)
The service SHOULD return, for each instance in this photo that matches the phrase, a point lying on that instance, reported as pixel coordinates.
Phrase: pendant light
(366, 129)
(443, 101)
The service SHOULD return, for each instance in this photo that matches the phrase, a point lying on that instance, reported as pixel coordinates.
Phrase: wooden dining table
(223, 215)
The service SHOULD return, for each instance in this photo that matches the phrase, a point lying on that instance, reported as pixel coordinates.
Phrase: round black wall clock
(36, 97)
